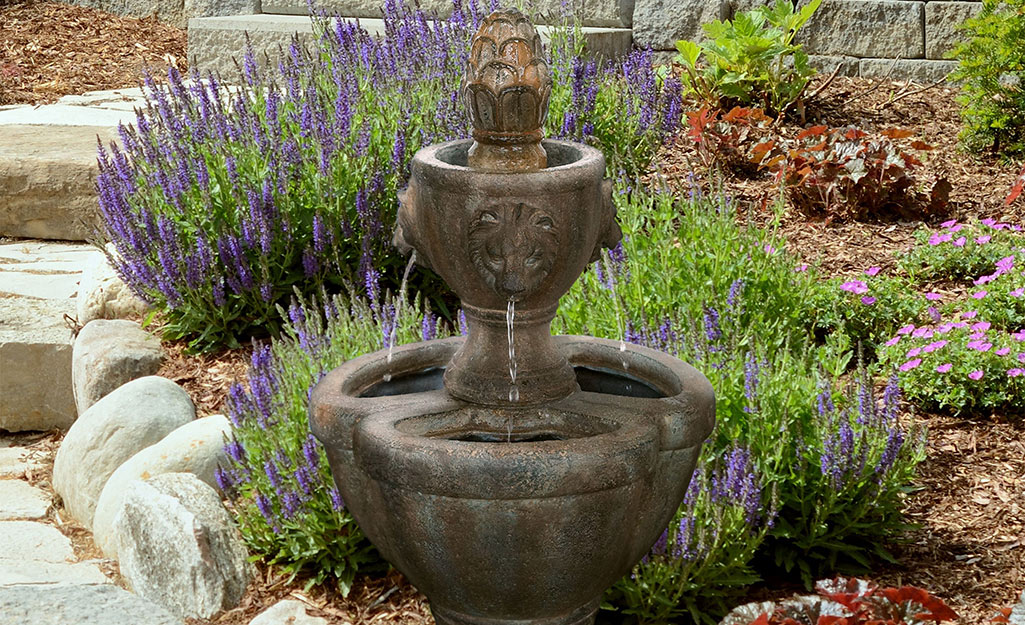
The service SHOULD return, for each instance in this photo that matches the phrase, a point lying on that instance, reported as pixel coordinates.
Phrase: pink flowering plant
(867, 307)
(961, 364)
(960, 251)
(999, 294)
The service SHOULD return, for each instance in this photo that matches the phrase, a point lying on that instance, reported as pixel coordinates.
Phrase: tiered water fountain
(511, 475)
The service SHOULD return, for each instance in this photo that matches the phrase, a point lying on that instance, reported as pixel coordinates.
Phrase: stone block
(174, 12)
(28, 540)
(866, 28)
(49, 574)
(921, 70)
(108, 354)
(601, 13)
(114, 429)
(179, 548)
(47, 178)
(35, 358)
(79, 604)
(196, 447)
(827, 64)
(941, 21)
(15, 463)
(659, 24)
(215, 41)
(20, 500)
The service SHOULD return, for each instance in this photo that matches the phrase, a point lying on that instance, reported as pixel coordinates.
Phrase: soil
(969, 499)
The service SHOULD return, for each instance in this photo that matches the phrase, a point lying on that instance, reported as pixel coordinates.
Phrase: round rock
(179, 548)
(131, 418)
(196, 447)
(104, 295)
(108, 354)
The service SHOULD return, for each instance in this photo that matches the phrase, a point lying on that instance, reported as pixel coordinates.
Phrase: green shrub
(960, 251)
(959, 365)
(750, 60)
(991, 70)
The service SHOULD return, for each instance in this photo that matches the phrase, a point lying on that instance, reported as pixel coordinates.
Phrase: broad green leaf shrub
(222, 201)
(751, 60)
(959, 365)
(960, 251)
(991, 70)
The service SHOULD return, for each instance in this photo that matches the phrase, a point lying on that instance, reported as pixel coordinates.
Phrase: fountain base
(581, 616)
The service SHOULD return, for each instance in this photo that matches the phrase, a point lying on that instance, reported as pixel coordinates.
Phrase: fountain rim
(587, 162)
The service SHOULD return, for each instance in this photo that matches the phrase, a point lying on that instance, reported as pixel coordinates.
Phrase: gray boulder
(179, 547)
(103, 295)
(78, 604)
(110, 432)
(196, 447)
(108, 354)
(287, 612)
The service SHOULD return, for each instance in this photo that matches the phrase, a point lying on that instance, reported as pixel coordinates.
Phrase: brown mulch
(206, 377)
(50, 49)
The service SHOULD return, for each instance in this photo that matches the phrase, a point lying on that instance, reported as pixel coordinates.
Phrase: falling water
(398, 307)
(510, 315)
(619, 308)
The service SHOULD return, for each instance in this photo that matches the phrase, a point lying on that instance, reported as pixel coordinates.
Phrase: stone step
(215, 41)
(38, 284)
(600, 13)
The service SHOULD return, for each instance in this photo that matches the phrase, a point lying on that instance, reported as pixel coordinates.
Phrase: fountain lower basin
(577, 490)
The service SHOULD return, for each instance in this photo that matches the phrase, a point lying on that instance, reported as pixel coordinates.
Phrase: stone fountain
(511, 475)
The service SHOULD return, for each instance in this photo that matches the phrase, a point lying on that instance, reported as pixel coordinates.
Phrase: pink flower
(801, 267)
(871, 271)
(945, 367)
(984, 279)
(914, 351)
(977, 335)
(960, 242)
(931, 347)
(1019, 335)
(975, 375)
(1017, 292)
(943, 328)
(892, 341)
(911, 364)
(1003, 351)
(984, 239)
(854, 286)
(769, 249)
(970, 314)
(999, 226)
(956, 227)
(979, 346)
(1021, 357)
(938, 238)
(933, 297)
(980, 294)
(868, 300)
(908, 329)
(949, 223)
(959, 325)
(989, 221)
(1005, 264)
(934, 314)
(922, 333)
(1013, 373)
(981, 326)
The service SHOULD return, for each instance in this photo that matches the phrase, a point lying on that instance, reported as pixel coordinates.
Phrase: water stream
(510, 315)
(619, 307)
(398, 308)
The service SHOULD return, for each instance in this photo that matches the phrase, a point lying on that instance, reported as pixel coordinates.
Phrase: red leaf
(854, 133)
(896, 133)
(1003, 617)
(1016, 189)
(921, 145)
(763, 619)
(937, 610)
(736, 114)
(814, 131)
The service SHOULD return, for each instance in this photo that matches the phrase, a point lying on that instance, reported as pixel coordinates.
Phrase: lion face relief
(513, 247)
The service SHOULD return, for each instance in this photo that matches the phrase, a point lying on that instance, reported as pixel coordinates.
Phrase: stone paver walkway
(41, 580)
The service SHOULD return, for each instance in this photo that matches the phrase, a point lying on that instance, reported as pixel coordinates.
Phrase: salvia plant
(221, 200)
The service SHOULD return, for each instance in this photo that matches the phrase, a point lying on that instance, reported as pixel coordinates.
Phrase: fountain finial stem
(506, 91)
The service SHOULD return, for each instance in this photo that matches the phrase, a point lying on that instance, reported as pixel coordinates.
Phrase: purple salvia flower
(336, 499)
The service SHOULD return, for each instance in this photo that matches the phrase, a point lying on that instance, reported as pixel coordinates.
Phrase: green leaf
(689, 52)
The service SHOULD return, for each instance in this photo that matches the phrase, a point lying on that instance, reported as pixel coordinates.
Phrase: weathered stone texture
(922, 70)
(113, 430)
(941, 21)
(179, 548)
(660, 23)
(174, 12)
(108, 354)
(78, 604)
(104, 295)
(47, 176)
(866, 28)
(196, 447)
(287, 612)
(20, 500)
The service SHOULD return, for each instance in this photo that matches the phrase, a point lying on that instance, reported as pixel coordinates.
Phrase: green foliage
(992, 74)
(959, 251)
(750, 60)
(867, 311)
(279, 481)
(960, 365)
